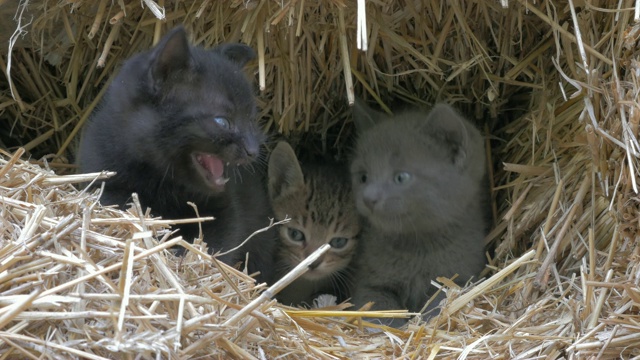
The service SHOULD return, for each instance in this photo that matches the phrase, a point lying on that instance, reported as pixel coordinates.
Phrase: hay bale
(553, 84)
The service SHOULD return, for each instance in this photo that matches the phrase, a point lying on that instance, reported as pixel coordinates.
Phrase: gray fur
(433, 222)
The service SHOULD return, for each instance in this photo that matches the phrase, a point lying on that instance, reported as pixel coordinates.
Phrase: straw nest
(553, 84)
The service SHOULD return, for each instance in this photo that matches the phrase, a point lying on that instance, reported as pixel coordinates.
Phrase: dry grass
(554, 83)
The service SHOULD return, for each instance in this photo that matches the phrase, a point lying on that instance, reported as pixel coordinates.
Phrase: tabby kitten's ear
(238, 53)
(171, 55)
(364, 117)
(285, 174)
(446, 126)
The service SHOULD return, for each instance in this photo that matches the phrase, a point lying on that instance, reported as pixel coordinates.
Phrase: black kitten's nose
(251, 147)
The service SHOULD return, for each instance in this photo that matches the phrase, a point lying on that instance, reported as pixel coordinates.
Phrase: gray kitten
(418, 184)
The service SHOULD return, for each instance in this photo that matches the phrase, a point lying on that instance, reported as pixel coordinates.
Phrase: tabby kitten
(318, 200)
(178, 124)
(418, 184)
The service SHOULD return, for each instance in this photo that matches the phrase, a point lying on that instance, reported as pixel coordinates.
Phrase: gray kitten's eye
(295, 234)
(338, 242)
(222, 122)
(401, 177)
(362, 178)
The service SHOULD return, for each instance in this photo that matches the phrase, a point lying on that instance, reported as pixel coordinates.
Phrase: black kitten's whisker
(166, 173)
(261, 161)
(250, 168)
(237, 174)
(148, 134)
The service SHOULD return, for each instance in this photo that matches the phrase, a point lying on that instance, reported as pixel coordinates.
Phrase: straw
(554, 84)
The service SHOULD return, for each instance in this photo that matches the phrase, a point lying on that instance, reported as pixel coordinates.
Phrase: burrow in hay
(552, 83)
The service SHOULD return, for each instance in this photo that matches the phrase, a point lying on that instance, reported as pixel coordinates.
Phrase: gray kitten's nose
(370, 198)
(370, 203)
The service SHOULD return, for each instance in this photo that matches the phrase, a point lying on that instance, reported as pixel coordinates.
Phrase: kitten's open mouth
(211, 168)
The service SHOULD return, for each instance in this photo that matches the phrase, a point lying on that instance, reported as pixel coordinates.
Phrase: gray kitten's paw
(372, 330)
(390, 322)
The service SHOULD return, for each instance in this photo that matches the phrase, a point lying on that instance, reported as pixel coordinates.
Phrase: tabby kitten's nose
(315, 264)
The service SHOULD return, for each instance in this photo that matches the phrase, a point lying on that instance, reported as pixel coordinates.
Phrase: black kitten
(176, 123)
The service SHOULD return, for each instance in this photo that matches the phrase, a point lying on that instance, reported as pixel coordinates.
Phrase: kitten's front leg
(261, 257)
(113, 195)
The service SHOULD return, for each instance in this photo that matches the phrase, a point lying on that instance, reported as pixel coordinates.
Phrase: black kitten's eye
(222, 122)
(338, 242)
(401, 177)
(295, 234)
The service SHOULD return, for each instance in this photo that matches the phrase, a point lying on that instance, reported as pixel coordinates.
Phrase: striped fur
(318, 200)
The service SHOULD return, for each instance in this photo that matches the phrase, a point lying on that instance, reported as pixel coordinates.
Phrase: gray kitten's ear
(171, 55)
(364, 117)
(238, 53)
(285, 174)
(447, 126)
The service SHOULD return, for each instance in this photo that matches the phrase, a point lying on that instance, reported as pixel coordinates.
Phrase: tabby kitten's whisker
(318, 200)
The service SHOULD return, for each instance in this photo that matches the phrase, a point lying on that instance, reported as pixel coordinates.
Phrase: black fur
(163, 107)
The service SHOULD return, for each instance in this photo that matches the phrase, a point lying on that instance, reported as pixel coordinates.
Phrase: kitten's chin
(396, 221)
(314, 275)
(390, 224)
(211, 168)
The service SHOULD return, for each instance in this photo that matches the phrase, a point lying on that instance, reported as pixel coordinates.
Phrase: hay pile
(554, 85)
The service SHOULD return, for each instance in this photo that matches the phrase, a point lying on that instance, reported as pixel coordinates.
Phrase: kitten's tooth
(221, 181)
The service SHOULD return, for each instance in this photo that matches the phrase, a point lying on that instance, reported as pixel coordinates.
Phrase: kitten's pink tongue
(213, 165)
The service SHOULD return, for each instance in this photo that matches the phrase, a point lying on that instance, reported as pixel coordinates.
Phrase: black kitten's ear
(238, 53)
(171, 55)
(364, 117)
(285, 174)
(447, 126)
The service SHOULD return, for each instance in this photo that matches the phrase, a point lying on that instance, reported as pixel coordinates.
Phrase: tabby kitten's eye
(401, 177)
(295, 234)
(222, 122)
(338, 242)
